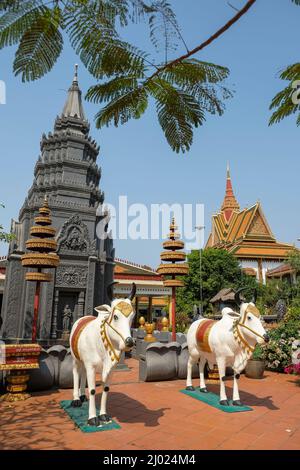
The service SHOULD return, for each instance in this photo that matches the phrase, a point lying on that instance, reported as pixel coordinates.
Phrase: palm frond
(95, 40)
(287, 101)
(112, 89)
(17, 19)
(178, 112)
(131, 104)
(39, 47)
(164, 28)
(190, 72)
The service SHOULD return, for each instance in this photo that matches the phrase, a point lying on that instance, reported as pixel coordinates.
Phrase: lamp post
(199, 228)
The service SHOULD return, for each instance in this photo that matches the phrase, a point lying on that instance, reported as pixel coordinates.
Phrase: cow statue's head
(120, 319)
(249, 320)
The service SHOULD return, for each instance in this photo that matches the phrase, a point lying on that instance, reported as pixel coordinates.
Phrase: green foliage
(220, 269)
(283, 102)
(278, 350)
(4, 237)
(294, 258)
(272, 291)
(40, 46)
(182, 322)
(127, 77)
(258, 353)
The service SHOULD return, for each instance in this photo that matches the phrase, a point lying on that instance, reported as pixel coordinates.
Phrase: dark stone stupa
(67, 173)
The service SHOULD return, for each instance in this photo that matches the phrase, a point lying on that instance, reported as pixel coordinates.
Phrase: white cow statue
(227, 342)
(96, 346)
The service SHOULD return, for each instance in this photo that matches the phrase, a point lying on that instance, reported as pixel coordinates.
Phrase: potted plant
(256, 365)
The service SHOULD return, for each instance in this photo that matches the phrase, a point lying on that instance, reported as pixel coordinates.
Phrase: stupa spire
(230, 203)
(73, 105)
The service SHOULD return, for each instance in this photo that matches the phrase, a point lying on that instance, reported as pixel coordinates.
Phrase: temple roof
(73, 105)
(128, 268)
(246, 233)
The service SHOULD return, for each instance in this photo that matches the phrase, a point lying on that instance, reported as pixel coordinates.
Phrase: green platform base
(213, 400)
(80, 416)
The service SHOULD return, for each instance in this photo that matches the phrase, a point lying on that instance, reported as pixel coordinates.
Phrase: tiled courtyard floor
(156, 416)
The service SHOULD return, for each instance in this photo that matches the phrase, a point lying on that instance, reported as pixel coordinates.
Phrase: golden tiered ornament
(18, 360)
(42, 245)
(172, 256)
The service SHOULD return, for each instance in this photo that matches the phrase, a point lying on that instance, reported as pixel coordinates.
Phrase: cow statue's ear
(103, 311)
(233, 314)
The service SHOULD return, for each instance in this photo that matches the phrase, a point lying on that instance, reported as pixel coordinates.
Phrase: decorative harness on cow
(126, 309)
(237, 333)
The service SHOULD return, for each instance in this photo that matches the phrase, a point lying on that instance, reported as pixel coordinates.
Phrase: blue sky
(135, 158)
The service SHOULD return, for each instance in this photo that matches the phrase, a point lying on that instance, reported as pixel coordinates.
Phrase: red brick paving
(156, 416)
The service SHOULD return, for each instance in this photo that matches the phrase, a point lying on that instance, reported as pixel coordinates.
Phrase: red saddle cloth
(78, 330)
(202, 334)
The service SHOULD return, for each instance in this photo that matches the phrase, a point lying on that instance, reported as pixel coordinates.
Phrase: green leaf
(18, 19)
(112, 89)
(284, 102)
(164, 28)
(94, 38)
(178, 112)
(40, 47)
(124, 107)
(190, 72)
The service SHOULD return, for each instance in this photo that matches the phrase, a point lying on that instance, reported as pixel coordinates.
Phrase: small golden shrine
(174, 266)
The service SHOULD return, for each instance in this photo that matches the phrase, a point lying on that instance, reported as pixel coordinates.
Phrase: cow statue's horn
(237, 297)
(133, 291)
(110, 291)
(254, 298)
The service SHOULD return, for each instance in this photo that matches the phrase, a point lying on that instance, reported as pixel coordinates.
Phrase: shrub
(278, 351)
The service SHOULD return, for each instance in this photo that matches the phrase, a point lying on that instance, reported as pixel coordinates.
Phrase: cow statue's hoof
(105, 419)
(224, 402)
(190, 388)
(203, 390)
(76, 403)
(83, 398)
(94, 421)
(237, 403)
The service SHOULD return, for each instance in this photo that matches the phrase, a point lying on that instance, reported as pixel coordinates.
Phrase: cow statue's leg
(91, 380)
(104, 417)
(202, 363)
(221, 363)
(189, 383)
(83, 384)
(236, 395)
(77, 367)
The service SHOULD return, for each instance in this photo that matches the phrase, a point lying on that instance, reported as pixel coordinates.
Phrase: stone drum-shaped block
(160, 362)
(42, 378)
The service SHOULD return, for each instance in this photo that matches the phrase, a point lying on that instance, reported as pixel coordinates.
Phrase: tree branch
(212, 38)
